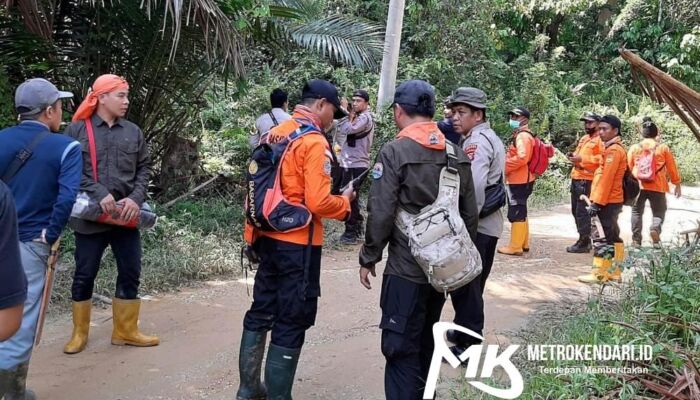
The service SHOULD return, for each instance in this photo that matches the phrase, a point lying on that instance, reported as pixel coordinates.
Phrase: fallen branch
(191, 192)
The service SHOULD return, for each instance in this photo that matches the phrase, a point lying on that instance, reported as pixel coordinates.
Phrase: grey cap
(468, 95)
(36, 94)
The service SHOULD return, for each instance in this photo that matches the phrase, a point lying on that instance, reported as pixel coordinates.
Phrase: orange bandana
(427, 134)
(103, 84)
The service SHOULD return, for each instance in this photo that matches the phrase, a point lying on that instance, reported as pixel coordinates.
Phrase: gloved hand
(593, 209)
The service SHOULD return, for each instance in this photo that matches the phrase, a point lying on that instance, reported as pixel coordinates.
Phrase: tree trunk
(390, 61)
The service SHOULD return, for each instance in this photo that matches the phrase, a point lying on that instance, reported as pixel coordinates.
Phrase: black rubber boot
(583, 245)
(279, 372)
(15, 383)
(250, 365)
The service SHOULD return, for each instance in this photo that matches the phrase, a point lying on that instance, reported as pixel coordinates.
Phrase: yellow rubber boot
(526, 241)
(81, 327)
(599, 273)
(619, 258)
(518, 231)
(126, 324)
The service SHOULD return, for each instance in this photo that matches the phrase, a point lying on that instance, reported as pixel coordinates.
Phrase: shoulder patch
(609, 159)
(470, 151)
(327, 167)
(433, 140)
(377, 170)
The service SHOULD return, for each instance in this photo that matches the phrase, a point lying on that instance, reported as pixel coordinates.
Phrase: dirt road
(200, 328)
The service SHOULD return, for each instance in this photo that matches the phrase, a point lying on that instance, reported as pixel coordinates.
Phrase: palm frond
(222, 41)
(308, 10)
(350, 40)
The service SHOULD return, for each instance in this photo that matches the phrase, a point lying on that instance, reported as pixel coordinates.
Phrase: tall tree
(390, 61)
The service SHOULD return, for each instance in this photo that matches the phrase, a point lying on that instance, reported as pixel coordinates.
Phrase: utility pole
(390, 61)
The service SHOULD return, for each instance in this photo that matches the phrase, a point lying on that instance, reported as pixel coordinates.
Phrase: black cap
(320, 89)
(612, 120)
(520, 111)
(415, 93)
(590, 117)
(361, 93)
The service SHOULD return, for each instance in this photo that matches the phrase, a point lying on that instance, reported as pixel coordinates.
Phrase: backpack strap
(452, 161)
(93, 150)
(22, 156)
(272, 116)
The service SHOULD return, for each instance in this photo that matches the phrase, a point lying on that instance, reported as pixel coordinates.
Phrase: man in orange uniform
(287, 287)
(519, 180)
(652, 190)
(607, 198)
(586, 159)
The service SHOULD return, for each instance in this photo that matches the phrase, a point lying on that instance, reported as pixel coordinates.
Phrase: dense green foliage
(557, 58)
(660, 308)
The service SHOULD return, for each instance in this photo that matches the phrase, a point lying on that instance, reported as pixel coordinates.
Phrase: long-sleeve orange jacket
(518, 156)
(305, 179)
(590, 148)
(665, 165)
(607, 180)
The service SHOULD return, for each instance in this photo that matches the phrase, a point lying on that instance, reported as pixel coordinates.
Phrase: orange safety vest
(306, 178)
(665, 165)
(590, 148)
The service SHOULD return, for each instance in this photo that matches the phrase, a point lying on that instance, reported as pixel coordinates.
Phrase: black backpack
(630, 188)
(266, 208)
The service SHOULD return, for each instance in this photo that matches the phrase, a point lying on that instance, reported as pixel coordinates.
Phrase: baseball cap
(320, 89)
(520, 111)
(361, 93)
(612, 120)
(590, 117)
(415, 93)
(34, 95)
(468, 95)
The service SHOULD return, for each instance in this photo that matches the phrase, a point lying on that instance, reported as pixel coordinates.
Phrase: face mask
(590, 131)
(514, 124)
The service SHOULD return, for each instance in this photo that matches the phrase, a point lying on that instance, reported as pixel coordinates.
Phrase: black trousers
(286, 291)
(608, 219)
(409, 311)
(578, 206)
(126, 247)
(517, 201)
(657, 200)
(468, 301)
(336, 178)
(354, 223)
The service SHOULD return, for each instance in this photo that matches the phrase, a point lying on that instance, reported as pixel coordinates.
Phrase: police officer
(486, 152)
(406, 176)
(271, 118)
(358, 131)
(586, 160)
(520, 181)
(607, 198)
(287, 284)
